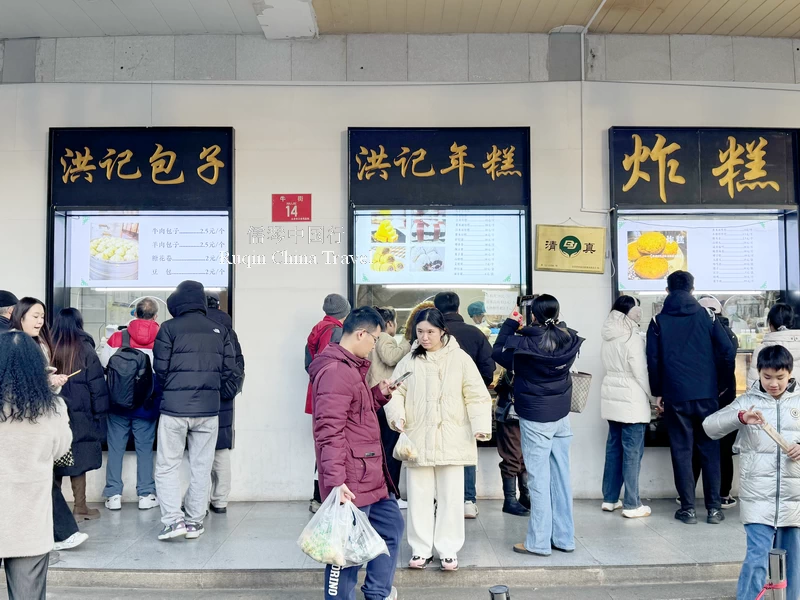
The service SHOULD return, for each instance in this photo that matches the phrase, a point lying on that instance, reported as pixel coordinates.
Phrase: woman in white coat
(625, 404)
(443, 408)
(780, 320)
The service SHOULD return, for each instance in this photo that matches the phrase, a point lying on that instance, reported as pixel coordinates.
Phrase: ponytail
(546, 310)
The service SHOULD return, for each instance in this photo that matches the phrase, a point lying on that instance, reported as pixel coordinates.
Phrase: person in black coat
(195, 363)
(540, 357)
(688, 352)
(7, 302)
(86, 396)
(473, 342)
(221, 469)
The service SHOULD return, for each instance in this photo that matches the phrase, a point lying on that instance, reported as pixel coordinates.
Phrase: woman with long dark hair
(625, 404)
(443, 407)
(30, 316)
(34, 432)
(86, 395)
(540, 355)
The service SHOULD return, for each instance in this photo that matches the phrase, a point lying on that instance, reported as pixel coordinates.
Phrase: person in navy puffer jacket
(140, 421)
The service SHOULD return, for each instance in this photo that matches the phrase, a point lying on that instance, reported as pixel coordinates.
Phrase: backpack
(336, 337)
(130, 376)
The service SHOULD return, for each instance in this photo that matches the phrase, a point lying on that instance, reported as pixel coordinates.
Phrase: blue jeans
(340, 582)
(545, 448)
(144, 434)
(760, 540)
(624, 451)
(470, 492)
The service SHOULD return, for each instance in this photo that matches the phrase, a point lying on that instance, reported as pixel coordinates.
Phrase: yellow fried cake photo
(633, 252)
(651, 267)
(651, 242)
(671, 249)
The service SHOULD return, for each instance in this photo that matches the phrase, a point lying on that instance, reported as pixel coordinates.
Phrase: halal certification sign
(570, 246)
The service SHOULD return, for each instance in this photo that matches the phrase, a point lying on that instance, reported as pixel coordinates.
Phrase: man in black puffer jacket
(195, 363)
(221, 470)
(686, 345)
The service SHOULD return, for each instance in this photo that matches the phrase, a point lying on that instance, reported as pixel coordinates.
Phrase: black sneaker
(715, 517)
(688, 516)
(729, 502)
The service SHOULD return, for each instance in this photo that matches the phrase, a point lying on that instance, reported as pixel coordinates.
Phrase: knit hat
(336, 306)
(712, 303)
(476, 308)
(7, 298)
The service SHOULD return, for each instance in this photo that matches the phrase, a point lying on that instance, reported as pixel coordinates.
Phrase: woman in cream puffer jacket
(442, 407)
(780, 320)
(625, 404)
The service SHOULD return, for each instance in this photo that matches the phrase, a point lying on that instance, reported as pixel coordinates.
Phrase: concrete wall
(290, 136)
(393, 57)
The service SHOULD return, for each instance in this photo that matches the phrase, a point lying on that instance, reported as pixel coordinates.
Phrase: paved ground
(263, 536)
(724, 591)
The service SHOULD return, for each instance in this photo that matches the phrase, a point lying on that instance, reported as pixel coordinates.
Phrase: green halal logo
(570, 246)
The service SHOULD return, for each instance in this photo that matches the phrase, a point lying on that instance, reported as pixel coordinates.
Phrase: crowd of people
(175, 383)
(63, 398)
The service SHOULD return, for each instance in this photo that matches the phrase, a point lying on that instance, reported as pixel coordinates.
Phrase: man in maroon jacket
(349, 451)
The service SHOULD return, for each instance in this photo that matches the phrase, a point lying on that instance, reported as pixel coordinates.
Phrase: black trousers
(26, 578)
(64, 524)
(509, 447)
(389, 439)
(725, 464)
(684, 422)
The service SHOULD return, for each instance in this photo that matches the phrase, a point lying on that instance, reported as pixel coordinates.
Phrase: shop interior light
(145, 289)
(705, 293)
(461, 286)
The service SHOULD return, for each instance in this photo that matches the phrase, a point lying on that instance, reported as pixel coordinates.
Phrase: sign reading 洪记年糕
(682, 166)
(149, 167)
(570, 249)
(439, 167)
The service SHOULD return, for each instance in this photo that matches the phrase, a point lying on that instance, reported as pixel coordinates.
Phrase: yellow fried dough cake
(633, 252)
(651, 242)
(651, 267)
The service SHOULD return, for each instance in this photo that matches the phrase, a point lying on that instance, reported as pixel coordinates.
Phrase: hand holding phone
(400, 380)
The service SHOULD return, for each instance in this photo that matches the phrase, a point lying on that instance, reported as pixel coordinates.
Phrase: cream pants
(444, 531)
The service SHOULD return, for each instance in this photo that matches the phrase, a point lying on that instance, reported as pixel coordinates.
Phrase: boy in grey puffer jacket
(770, 479)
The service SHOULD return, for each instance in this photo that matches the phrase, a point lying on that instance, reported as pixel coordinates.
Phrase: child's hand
(794, 452)
(753, 417)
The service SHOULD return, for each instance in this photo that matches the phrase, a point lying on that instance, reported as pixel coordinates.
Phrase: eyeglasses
(374, 337)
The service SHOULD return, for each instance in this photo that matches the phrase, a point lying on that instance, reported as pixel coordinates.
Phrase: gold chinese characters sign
(158, 166)
(450, 166)
(679, 166)
(570, 249)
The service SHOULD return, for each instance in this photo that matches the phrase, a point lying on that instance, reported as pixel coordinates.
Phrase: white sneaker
(636, 513)
(147, 502)
(403, 504)
(609, 507)
(470, 510)
(114, 503)
(73, 541)
(392, 595)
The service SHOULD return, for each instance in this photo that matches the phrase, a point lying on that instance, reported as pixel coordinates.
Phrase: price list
(474, 247)
(732, 251)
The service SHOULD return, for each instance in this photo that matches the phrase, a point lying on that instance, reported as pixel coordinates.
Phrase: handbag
(68, 460)
(581, 384)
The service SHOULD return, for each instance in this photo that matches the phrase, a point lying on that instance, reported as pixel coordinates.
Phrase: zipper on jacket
(778, 486)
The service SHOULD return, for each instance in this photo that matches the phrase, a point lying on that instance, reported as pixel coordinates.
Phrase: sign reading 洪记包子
(291, 207)
(570, 249)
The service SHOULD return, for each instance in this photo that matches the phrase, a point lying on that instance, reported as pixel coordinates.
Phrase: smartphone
(401, 379)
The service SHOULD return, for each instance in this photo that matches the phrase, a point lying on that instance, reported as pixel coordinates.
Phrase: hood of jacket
(143, 332)
(335, 353)
(680, 304)
(441, 354)
(783, 337)
(189, 296)
(618, 325)
(319, 328)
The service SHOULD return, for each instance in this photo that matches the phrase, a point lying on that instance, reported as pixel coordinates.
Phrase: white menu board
(723, 254)
(146, 251)
(439, 247)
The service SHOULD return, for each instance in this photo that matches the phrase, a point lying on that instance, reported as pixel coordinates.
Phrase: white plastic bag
(341, 535)
(404, 449)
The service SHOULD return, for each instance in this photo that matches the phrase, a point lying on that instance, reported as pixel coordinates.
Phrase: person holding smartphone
(443, 407)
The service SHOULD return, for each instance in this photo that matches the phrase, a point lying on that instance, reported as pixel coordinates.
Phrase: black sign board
(141, 168)
(683, 167)
(455, 167)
